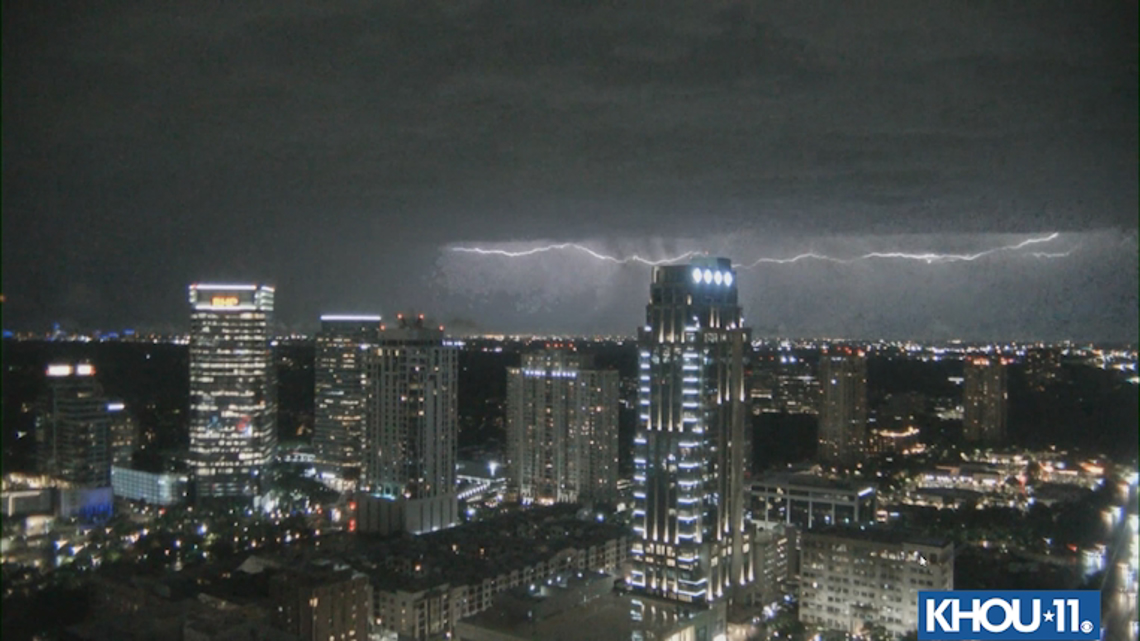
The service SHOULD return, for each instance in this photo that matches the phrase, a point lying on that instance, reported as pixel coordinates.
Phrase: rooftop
(809, 480)
(482, 550)
(894, 536)
(621, 616)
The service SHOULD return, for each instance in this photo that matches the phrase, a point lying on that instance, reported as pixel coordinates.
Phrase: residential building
(561, 429)
(322, 604)
(411, 434)
(341, 393)
(583, 607)
(852, 578)
(843, 407)
(424, 585)
(984, 401)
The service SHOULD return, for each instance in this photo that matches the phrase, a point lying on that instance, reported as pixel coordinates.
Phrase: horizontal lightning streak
(581, 248)
(929, 258)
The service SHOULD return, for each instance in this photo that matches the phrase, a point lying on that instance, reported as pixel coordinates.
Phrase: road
(1118, 592)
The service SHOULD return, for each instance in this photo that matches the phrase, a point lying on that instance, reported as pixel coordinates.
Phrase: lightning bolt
(929, 258)
(576, 247)
(1054, 254)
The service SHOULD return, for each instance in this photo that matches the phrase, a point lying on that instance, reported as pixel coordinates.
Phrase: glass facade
(73, 428)
(151, 488)
(124, 434)
(341, 391)
(689, 449)
(233, 404)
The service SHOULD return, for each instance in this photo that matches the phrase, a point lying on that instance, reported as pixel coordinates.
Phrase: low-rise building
(585, 607)
(149, 487)
(324, 604)
(806, 500)
(422, 586)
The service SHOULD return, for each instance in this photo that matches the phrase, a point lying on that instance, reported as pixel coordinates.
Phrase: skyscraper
(561, 428)
(411, 434)
(233, 395)
(341, 392)
(688, 457)
(843, 408)
(73, 427)
(984, 398)
(123, 435)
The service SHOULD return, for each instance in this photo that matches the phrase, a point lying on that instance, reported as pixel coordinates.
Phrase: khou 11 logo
(984, 615)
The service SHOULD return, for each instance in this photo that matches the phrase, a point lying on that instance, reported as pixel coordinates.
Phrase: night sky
(344, 151)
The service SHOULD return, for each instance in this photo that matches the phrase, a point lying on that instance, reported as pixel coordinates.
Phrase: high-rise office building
(341, 392)
(123, 434)
(233, 394)
(984, 398)
(692, 540)
(843, 406)
(73, 427)
(411, 430)
(561, 428)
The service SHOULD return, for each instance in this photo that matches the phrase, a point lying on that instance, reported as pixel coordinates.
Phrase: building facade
(73, 427)
(585, 608)
(776, 560)
(689, 446)
(806, 501)
(233, 392)
(342, 392)
(984, 401)
(851, 578)
(423, 610)
(843, 407)
(561, 429)
(123, 434)
(150, 487)
(411, 426)
(322, 604)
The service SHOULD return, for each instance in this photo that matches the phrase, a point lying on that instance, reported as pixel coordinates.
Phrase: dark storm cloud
(334, 148)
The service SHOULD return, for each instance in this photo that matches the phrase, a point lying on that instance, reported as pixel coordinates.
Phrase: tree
(876, 632)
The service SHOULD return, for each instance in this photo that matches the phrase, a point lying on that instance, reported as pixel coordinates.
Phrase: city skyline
(753, 131)
(859, 330)
(495, 320)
